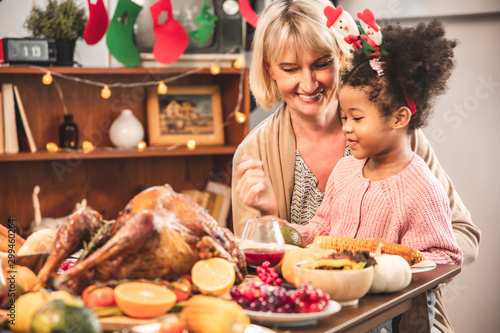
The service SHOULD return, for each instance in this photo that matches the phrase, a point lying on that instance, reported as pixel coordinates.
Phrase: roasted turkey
(159, 234)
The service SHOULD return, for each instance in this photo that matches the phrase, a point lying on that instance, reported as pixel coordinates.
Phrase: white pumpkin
(391, 273)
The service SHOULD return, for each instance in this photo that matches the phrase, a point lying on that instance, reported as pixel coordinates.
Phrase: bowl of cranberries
(267, 301)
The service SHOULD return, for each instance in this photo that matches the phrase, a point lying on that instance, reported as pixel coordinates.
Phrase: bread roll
(40, 241)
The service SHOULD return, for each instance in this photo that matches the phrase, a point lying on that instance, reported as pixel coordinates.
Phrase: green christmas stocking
(119, 37)
(207, 24)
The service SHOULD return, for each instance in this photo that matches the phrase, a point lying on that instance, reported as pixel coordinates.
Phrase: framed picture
(184, 113)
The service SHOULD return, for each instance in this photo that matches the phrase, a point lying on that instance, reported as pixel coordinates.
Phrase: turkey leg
(130, 236)
(76, 228)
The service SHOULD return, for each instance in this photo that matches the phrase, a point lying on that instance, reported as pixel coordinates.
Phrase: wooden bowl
(343, 286)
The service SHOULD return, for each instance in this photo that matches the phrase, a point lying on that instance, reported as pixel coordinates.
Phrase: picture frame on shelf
(185, 113)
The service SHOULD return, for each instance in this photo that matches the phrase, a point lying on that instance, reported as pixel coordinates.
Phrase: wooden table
(375, 309)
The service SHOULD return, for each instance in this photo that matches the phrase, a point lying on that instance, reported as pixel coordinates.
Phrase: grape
(263, 306)
(315, 307)
(282, 296)
(276, 298)
(288, 308)
(254, 305)
(313, 296)
(248, 294)
(281, 309)
(242, 302)
(300, 306)
(235, 292)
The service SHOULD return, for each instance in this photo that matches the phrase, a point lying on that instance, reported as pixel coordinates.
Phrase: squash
(391, 273)
(65, 315)
(288, 248)
(207, 314)
(27, 304)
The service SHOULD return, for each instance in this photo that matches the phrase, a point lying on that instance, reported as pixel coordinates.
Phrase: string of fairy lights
(162, 89)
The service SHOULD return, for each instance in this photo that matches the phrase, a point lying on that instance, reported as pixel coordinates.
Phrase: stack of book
(216, 199)
(15, 132)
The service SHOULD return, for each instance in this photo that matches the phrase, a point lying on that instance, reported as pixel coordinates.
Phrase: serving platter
(292, 319)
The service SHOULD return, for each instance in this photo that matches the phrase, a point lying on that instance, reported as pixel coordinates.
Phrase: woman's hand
(254, 188)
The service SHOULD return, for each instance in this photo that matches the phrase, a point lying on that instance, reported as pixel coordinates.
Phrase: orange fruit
(25, 277)
(214, 276)
(144, 300)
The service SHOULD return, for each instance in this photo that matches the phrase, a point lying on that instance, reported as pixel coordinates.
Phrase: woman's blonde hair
(289, 25)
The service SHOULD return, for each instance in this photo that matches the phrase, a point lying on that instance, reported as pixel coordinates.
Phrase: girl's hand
(254, 188)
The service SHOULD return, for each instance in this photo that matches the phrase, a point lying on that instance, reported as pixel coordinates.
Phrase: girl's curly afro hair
(419, 61)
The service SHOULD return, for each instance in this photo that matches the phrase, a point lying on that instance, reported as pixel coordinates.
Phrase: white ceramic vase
(126, 131)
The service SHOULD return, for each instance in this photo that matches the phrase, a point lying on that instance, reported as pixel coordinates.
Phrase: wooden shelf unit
(108, 177)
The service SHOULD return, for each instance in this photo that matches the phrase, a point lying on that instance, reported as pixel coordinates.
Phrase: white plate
(154, 328)
(293, 319)
(423, 266)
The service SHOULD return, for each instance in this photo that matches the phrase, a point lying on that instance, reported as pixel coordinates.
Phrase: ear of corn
(339, 244)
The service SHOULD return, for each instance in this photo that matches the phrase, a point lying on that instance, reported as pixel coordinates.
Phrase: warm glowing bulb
(239, 63)
(191, 144)
(162, 88)
(88, 146)
(51, 147)
(105, 92)
(141, 146)
(240, 117)
(214, 69)
(47, 79)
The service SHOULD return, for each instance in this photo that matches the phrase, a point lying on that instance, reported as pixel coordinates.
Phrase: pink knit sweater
(409, 208)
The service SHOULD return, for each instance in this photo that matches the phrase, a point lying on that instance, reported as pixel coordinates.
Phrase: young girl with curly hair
(385, 190)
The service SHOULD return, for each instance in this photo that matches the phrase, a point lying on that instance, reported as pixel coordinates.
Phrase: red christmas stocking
(171, 40)
(97, 23)
(248, 13)
(119, 37)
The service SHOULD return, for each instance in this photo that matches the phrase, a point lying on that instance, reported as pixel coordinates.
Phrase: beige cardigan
(273, 142)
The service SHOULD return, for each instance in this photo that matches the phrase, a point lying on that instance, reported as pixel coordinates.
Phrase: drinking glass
(262, 241)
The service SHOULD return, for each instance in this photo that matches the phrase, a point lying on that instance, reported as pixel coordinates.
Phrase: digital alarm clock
(28, 50)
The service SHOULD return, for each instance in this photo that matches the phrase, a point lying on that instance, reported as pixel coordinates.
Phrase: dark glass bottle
(68, 133)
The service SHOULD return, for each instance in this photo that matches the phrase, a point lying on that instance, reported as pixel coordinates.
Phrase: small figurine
(366, 38)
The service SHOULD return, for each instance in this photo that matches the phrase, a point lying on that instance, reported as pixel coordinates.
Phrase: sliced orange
(214, 276)
(144, 300)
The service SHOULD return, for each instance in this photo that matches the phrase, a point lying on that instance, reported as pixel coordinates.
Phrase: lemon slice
(214, 276)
